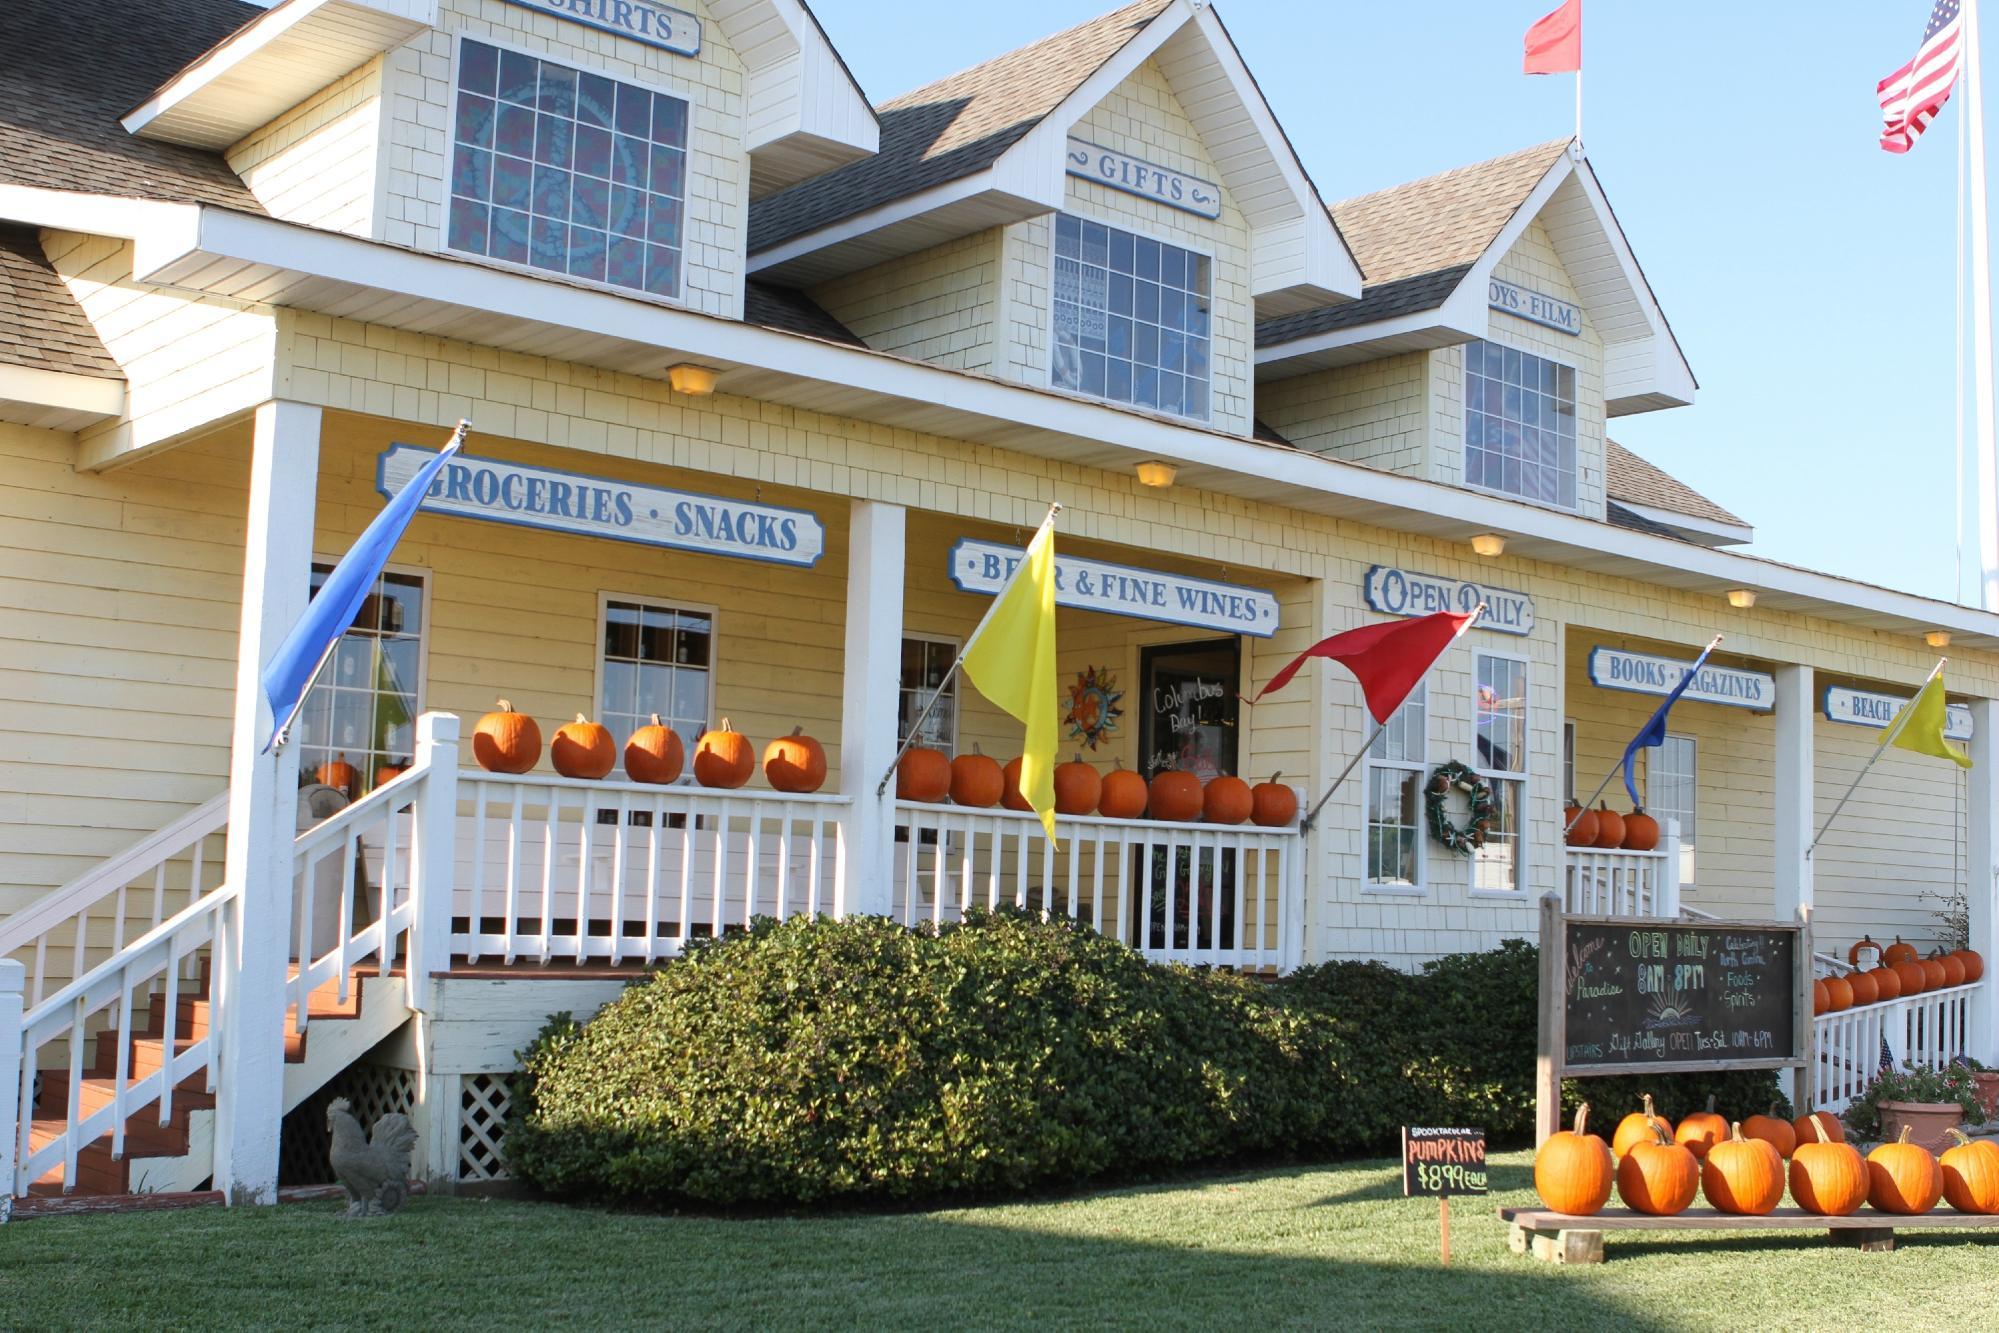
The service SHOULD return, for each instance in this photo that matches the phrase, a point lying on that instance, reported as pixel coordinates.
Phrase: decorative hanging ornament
(1474, 831)
(1094, 706)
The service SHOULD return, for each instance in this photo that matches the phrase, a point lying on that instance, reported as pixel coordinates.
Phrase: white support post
(1981, 872)
(1668, 890)
(869, 702)
(1792, 781)
(435, 864)
(263, 804)
(12, 977)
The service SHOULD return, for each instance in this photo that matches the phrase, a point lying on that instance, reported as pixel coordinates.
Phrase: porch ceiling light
(1937, 638)
(1742, 598)
(1489, 544)
(690, 379)
(1156, 474)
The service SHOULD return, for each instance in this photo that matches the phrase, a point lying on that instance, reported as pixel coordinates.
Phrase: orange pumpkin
(1774, 1130)
(1935, 977)
(795, 763)
(1819, 1125)
(1175, 797)
(1821, 999)
(1609, 827)
(1573, 1171)
(1839, 994)
(1974, 964)
(582, 749)
(1579, 825)
(1828, 1177)
(1887, 983)
(1744, 1176)
(1915, 980)
(1864, 945)
(654, 753)
(1641, 831)
(1971, 1174)
(338, 773)
(1077, 788)
(1124, 794)
(1637, 1128)
(1903, 1178)
(976, 780)
(1899, 952)
(1010, 796)
(1658, 1176)
(1952, 965)
(387, 773)
(1865, 989)
(922, 774)
(1226, 800)
(506, 741)
(725, 758)
(1272, 804)
(1700, 1131)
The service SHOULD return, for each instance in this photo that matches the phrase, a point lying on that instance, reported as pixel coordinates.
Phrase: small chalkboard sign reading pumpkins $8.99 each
(1442, 1162)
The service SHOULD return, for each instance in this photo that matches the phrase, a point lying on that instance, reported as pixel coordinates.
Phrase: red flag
(1555, 43)
(1387, 658)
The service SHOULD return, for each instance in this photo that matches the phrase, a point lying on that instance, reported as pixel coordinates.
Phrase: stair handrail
(123, 957)
(400, 787)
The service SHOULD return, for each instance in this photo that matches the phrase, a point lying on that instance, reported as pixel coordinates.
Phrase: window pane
(1136, 301)
(1520, 424)
(363, 707)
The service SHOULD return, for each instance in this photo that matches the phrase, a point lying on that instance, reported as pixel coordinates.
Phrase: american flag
(1913, 94)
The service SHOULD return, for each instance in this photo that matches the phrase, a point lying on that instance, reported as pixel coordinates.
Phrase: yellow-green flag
(1011, 660)
(1922, 729)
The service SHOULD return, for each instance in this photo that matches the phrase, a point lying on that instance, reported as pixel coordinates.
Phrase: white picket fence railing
(1614, 882)
(1929, 1030)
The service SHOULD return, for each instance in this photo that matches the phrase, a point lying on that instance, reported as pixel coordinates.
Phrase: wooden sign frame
(1552, 1037)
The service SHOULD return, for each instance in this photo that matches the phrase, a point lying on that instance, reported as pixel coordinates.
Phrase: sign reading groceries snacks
(1864, 708)
(1124, 590)
(540, 497)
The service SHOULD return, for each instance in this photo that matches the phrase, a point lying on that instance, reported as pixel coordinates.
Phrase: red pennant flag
(1555, 43)
(1387, 658)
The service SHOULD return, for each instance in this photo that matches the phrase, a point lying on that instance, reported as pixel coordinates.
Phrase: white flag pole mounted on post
(1981, 316)
(1888, 735)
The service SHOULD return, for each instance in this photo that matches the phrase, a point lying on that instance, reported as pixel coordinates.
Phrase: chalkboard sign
(1652, 994)
(1442, 1162)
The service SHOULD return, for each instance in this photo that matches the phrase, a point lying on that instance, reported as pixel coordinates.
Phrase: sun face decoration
(1094, 706)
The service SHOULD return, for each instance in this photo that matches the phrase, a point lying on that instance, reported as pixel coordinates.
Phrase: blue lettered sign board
(1147, 180)
(1122, 590)
(1864, 708)
(669, 29)
(540, 497)
(1535, 307)
(1404, 592)
(1642, 673)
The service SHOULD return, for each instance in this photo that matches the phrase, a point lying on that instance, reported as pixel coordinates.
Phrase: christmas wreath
(1442, 779)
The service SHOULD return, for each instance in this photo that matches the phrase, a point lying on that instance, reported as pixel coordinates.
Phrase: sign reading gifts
(539, 497)
(1642, 673)
(673, 30)
(1534, 307)
(1122, 590)
(1148, 180)
(1404, 592)
(1864, 708)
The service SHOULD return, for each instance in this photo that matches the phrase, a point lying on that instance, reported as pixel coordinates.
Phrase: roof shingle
(41, 327)
(1629, 478)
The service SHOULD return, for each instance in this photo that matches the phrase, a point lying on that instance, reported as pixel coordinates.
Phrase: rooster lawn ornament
(374, 1170)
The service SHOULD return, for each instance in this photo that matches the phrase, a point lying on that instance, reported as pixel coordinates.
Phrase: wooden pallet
(1564, 1238)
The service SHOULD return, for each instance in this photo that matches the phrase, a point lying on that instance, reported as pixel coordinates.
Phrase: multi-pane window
(1395, 777)
(1502, 761)
(1520, 424)
(567, 171)
(1671, 781)
(925, 663)
(362, 709)
(657, 659)
(1132, 318)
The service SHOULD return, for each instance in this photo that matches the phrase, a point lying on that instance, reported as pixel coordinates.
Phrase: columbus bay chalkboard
(1646, 993)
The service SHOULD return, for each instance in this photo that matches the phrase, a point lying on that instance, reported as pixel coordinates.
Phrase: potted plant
(1984, 1082)
(1931, 1102)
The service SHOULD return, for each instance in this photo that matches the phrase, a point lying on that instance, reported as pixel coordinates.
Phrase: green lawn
(1334, 1246)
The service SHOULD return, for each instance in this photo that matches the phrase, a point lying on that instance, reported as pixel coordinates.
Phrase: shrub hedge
(808, 1060)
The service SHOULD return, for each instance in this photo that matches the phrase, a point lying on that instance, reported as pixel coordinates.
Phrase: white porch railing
(1928, 1030)
(1613, 882)
(1223, 895)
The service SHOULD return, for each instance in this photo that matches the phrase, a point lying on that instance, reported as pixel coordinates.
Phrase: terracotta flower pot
(1929, 1123)
(1987, 1083)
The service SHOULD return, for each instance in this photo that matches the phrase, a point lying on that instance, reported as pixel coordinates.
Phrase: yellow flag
(1922, 729)
(1012, 662)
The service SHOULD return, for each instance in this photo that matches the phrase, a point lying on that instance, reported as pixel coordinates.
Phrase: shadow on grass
(1501, 1178)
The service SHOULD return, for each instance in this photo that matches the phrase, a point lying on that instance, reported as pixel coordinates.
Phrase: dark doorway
(1188, 720)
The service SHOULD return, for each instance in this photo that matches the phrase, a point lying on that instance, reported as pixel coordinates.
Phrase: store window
(1502, 760)
(925, 663)
(362, 709)
(1132, 318)
(567, 171)
(656, 659)
(1520, 424)
(1397, 766)
(1671, 783)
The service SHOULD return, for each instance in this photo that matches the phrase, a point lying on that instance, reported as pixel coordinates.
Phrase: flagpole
(1981, 317)
(1888, 735)
(930, 704)
(1618, 767)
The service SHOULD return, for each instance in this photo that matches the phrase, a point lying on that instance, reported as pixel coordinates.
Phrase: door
(1188, 721)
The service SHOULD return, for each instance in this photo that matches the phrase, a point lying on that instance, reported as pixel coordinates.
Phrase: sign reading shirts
(1641, 673)
(1535, 308)
(1404, 592)
(672, 30)
(1134, 175)
(1863, 708)
(1147, 594)
(539, 497)
(1442, 1162)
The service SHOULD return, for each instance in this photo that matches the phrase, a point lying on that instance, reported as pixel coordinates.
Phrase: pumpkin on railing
(505, 741)
(1077, 788)
(1175, 796)
(1641, 831)
(724, 758)
(583, 749)
(795, 763)
(1609, 828)
(1578, 824)
(1226, 800)
(1272, 804)
(1124, 794)
(976, 780)
(654, 753)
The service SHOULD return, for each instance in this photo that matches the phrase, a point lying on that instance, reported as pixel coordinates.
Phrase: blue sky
(1808, 274)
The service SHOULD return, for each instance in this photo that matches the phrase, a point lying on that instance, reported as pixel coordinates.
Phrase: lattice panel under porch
(483, 1100)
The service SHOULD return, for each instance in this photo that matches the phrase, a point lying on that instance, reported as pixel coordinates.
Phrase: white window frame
(1419, 766)
(1569, 758)
(1214, 271)
(1686, 868)
(1519, 776)
(956, 695)
(444, 246)
(424, 577)
(605, 596)
(1464, 432)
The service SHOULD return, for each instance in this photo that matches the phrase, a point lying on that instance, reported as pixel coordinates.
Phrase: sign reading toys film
(1864, 708)
(1147, 180)
(1404, 592)
(1535, 307)
(539, 497)
(1642, 673)
(1122, 590)
(669, 29)
(1441, 1162)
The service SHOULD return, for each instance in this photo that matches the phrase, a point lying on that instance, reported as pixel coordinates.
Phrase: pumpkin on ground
(976, 780)
(1641, 831)
(1272, 804)
(1971, 1174)
(922, 774)
(1821, 999)
(1175, 797)
(506, 741)
(1609, 827)
(1580, 825)
(1819, 1125)
(1743, 1176)
(1637, 1128)
(1899, 952)
(655, 753)
(1974, 964)
(1658, 1176)
(1828, 1177)
(1701, 1131)
(583, 749)
(1010, 796)
(1903, 1178)
(1774, 1130)
(1124, 794)
(1887, 983)
(725, 758)
(1573, 1171)
(1915, 980)
(795, 763)
(338, 773)
(1077, 788)
(1952, 965)
(1226, 800)
(1865, 989)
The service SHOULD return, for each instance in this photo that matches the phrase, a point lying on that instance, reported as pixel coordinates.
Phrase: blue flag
(1653, 734)
(291, 669)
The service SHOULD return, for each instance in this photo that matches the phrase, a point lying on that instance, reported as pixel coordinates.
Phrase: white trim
(1672, 518)
(1522, 838)
(653, 602)
(1576, 444)
(884, 216)
(1421, 767)
(94, 394)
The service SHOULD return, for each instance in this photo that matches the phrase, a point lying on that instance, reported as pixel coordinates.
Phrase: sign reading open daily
(1642, 673)
(540, 497)
(1404, 592)
(673, 30)
(1864, 708)
(1122, 590)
